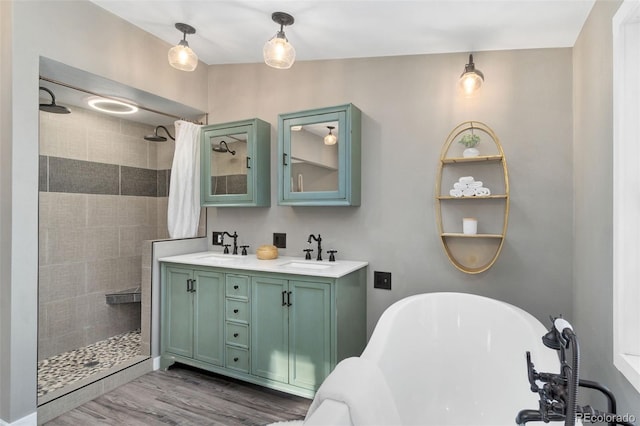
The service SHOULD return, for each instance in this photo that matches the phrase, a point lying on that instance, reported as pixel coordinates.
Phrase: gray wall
(409, 106)
(93, 40)
(593, 210)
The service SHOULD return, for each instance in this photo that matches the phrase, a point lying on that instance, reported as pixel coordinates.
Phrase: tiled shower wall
(103, 191)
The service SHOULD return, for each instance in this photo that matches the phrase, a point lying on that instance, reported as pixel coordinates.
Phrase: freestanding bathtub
(438, 359)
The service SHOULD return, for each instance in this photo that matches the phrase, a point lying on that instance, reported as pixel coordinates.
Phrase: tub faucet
(319, 240)
(235, 240)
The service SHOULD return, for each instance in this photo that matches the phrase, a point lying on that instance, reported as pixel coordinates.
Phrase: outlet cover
(280, 240)
(382, 280)
(217, 238)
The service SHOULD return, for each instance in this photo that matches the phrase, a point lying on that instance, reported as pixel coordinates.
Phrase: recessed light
(296, 128)
(111, 106)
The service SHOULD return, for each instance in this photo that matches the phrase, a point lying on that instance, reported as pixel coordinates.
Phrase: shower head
(155, 137)
(223, 147)
(52, 107)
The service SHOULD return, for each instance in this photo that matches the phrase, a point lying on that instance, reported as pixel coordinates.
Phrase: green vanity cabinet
(285, 331)
(235, 164)
(291, 331)
(319, 154)
(192, 320)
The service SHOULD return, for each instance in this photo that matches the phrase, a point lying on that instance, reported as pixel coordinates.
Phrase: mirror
(314, 157)
(319, 153)
(228, 164)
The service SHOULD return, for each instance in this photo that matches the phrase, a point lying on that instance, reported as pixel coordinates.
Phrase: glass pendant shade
(471, 79)
(330, 139)
(278, 52)
(182, 57)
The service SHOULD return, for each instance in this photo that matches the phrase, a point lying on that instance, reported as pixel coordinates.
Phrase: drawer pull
(283, 301)
(235, 287)
(235, 311)
(235, 334)
(236, 359)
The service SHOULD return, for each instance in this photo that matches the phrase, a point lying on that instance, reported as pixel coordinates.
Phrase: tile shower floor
(69, 367)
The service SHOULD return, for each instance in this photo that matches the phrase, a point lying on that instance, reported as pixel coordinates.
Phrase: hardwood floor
(184, 396)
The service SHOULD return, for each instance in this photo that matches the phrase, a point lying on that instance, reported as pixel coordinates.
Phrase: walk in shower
(103, 192)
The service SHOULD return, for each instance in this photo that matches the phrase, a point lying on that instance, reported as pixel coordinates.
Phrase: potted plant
(470, 141)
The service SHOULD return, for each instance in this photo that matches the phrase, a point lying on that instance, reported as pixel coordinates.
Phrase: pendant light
(278, 52)
(330, 139)
(181, 56)
(471, 79)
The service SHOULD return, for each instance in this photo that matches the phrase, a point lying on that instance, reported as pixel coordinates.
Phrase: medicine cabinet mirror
(235, 164)
(319, 157)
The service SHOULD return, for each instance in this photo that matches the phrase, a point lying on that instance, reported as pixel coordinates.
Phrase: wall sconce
(278, 52)
(181, 56)
(330, 139)
(471, 79)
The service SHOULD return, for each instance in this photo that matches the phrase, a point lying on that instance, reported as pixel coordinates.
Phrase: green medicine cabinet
(235, 169)
(319, 155)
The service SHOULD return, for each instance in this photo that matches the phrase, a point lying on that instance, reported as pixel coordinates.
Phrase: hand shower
(558, 393)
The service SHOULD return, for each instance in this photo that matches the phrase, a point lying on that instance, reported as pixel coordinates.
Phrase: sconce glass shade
(471, 79)
(181, 56)
(278, 52)
(330, 139)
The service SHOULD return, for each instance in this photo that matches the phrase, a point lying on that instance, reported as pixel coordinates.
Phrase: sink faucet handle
(308, 255)
(244, 250)
(226, 248)
(332, 257)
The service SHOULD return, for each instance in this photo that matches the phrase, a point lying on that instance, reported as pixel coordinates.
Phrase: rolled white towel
(466, 179)
(475, 184)
(482, 192)
(469, 192)
(460, 186)
(455, 193)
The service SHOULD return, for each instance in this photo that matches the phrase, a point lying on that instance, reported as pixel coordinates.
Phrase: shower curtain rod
(166, 114)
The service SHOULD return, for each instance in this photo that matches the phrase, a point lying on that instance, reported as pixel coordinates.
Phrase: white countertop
(282, 265)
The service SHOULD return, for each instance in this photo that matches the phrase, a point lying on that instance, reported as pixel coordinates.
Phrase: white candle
(469, 225)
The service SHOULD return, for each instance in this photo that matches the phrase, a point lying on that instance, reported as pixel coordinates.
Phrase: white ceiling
(234, 31)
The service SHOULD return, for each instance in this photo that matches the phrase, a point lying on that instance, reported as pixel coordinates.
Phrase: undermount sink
(306, 265)
(219, 258)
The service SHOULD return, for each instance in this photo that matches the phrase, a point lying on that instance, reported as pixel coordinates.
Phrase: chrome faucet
(319, 240)
(235, 242)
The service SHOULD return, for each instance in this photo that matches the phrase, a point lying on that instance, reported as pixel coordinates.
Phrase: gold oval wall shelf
(473, 253)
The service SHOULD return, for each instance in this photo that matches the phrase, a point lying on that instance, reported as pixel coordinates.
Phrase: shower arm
(165, 130)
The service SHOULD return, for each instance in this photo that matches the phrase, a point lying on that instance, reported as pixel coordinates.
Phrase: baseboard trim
(30, 420)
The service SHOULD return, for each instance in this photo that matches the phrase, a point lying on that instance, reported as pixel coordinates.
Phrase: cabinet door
(316, 171)
(178, 312)
(309, 333)
(235, 165)
(269, 330)
(209, 317)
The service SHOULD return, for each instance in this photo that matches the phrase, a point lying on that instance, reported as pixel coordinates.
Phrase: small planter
(470, 152)
(470, 141)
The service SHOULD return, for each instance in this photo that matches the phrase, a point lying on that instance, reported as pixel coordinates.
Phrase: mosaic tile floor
(69, 367)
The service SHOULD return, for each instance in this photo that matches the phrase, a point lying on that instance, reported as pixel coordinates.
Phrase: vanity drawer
(238, 334)
(237, 359)
(237, 286)
(237, 310)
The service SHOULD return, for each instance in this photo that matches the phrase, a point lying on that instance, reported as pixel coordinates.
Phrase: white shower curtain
(184, 188)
